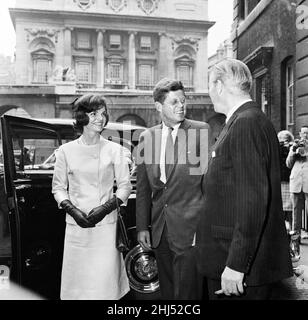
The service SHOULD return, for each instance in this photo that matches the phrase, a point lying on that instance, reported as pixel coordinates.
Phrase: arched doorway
(132, 119)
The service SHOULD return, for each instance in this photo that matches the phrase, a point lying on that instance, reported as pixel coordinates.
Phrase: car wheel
(142, 273)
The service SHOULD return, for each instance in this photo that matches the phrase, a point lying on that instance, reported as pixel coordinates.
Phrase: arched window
(42, 54)
(132, 119)
(184, 65)
(184, 71)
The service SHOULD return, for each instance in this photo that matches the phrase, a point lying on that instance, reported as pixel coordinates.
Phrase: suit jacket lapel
(224, 131)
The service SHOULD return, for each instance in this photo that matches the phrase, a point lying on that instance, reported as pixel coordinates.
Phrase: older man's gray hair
(234, 74)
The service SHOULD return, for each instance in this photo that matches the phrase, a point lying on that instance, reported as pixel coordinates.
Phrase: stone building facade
(120, 48)
(264, 37)
(6, 70)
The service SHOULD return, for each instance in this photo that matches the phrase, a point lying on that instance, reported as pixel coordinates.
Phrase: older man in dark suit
(241, 239)
(169, 197)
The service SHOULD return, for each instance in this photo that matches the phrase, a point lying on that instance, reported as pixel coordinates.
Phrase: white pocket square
(213, 154)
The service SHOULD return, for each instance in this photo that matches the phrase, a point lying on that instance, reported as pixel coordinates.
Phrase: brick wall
(275, 26)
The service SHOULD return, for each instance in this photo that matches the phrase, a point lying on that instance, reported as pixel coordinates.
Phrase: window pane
(115, 41)
(42, 71)
(145, 43)
(31, 152)
(290, 95)
(83, 40)
(291, 114)
(184, 75)
(115, 71)
(145, 74)
(83, 72)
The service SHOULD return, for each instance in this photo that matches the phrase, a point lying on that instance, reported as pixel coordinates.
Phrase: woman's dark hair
(86, 104)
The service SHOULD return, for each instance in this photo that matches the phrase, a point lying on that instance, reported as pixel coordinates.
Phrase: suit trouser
(251, 293)
(178, 276)
(300, 201)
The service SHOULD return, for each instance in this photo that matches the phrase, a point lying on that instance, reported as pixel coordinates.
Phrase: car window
(32, 146)
(29, 154)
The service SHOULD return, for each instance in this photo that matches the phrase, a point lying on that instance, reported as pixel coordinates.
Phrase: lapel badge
(213, 154)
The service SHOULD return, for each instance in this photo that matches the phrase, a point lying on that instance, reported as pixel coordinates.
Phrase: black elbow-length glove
(99, 213)
(79, 216)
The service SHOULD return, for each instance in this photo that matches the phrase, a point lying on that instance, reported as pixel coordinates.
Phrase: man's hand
(144, 239)
(231, 283)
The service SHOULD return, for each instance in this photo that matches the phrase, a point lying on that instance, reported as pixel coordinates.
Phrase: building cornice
(159, 21)
(50, 90)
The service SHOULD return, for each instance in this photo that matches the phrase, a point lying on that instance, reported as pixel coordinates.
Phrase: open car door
(31, 209)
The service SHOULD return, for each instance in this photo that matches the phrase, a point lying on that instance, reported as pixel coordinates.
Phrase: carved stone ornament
(84, 4)
(193, 42)
(42, 32)
(148, 6)
(60, 74)
(116, 5)
(186, 39)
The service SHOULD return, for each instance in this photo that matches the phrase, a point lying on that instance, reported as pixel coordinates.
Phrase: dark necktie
(169, 155)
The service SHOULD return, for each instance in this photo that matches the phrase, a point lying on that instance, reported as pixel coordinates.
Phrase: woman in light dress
(82, 185)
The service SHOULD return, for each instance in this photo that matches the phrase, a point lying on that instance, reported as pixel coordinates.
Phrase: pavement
(295, 288)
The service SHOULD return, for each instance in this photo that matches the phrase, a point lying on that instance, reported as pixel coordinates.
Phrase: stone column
(100, 65)
(68, 47)
(132, 61)
(163, 53)
(201, 66)
(170, 57)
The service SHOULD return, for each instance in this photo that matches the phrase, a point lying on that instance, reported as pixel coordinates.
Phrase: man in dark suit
(241, 242)
(169, 198)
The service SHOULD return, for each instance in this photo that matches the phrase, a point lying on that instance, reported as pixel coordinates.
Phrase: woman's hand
(99, 213)
(81, 219)
(79, 216)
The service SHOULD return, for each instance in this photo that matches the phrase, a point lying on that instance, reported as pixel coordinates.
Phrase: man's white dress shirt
(174, 133)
